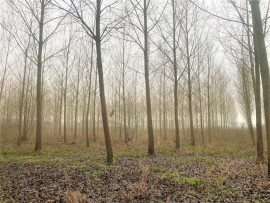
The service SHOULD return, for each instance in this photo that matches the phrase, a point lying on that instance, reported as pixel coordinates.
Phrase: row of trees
(158, 62)
(250, 58)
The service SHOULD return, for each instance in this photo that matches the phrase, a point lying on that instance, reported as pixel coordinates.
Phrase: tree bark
(89, 97)
(151, 148)
(21, 102)
(76, 103)
(264, 67)
(101, 86)
(177, 137)
(39, 80)
(260, 156)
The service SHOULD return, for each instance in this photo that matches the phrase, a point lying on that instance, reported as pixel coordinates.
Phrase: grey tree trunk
(76, 104)
(89, 97)
(21, 102)
(257, 92)
(191, 127)
(260, 156)
(264, 67)
(101, 86)
(94, 108)
(39, 80)
(151, 148)
(209, 104)
(177, 137)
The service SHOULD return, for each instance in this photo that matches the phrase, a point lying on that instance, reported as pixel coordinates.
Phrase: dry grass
(75, 197)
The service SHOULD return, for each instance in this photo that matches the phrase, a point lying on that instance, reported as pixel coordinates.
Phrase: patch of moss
(191, 181)
(7, 198)
(130, 154)
(157, 170)
(29, 159)
(212, 197)
(94, 174)
(165, 150)
(195, 182)
(102, 166)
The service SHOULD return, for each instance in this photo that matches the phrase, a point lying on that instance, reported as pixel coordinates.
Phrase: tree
(76, 10)
(141, 15)
(89, 95)
(66, 64)
(172, 44)
(39, 85)
(21, 102)
(264, 67)
(37, 12)
(245, 94)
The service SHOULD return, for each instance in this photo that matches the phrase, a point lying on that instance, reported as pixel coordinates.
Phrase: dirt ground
(77, 174)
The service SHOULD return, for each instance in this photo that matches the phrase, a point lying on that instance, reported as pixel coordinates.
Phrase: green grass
(165, 151)
(51, 154)
(130, 153)
(157, 170)
(29, 159)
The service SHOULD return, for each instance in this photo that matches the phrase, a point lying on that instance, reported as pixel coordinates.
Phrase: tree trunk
(200, 101)
(192, 136)
(208, 104)
(151, 148)
(21, 103)
(89, 98)
(264, 67)
(76, 103)
(39, 79)
(260, 156)
(94, 108)
(101, 86)
(177, 138)
(65, 93)
(60, 108)
(164, 107)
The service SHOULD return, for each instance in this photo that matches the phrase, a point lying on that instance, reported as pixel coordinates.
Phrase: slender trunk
(177, 138)
(65, 93)
(257, 92)
(21, 103)
(26, 111)
(190, 99)
(89, 97)
(94, 108)
(83, 116)
(247, 101)
(55, 115)
(208, 104)
(39, 79)
(160, 106)
(101, 86)
(151, 148)
(61, 109)
(76, 103)
(260, 156)
(124, 94)
(200, 101)
(264, 67)
(164, 107)
(183, 119)
(120, 112)
(135, 105)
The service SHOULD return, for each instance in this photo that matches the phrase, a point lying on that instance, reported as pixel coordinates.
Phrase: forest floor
(69, 173)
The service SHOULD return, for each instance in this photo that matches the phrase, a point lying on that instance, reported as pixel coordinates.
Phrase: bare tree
(89, 95)
(264, 67)
(77, 11)
(140, 13)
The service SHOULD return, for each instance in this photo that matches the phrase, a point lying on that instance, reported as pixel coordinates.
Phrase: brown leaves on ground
(175, 177)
